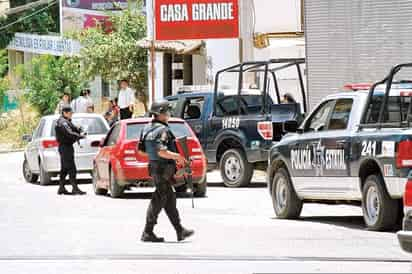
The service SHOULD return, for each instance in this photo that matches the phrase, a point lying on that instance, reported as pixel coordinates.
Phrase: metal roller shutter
(354, 41)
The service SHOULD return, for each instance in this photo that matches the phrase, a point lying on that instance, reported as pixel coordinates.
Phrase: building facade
(272, 19)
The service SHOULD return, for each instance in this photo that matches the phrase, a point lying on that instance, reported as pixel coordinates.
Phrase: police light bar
(357, 86)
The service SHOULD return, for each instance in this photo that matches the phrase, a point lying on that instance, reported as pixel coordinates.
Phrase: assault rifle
(187, 170)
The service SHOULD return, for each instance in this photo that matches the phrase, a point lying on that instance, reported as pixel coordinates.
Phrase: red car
(118, 165)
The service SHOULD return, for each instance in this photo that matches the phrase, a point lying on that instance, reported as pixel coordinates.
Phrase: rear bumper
(257, 155)
(131, 172)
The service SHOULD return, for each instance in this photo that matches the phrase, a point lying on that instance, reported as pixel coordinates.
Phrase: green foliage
(42, 23)
(4, 83)
(115, 55)
(47, 78)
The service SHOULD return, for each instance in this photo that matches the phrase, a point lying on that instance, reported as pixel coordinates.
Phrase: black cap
(162, 106)
(67, 109)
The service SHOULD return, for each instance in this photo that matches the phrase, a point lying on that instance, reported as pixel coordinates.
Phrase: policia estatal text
(158, 142)
(67, 134)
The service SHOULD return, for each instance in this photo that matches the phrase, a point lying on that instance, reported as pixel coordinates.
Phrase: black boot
(151, 237)
(77, 191)
(184, 233)
(63, 190)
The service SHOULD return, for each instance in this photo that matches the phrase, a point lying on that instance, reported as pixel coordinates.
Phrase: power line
(27, 16)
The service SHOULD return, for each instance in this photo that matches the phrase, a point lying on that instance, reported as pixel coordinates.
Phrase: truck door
(336, 144)
(306, 152)
(193, 114)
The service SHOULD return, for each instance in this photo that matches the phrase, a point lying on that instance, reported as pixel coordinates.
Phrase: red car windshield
(179, 130)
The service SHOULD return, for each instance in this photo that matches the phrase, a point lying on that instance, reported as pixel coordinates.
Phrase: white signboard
(44, 44)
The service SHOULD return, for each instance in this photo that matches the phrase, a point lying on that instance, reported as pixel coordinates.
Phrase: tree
(47, 77)
(4, 83)
(113, 53)
(43, 22)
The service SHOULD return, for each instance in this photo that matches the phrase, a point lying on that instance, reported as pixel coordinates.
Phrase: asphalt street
(236, 232)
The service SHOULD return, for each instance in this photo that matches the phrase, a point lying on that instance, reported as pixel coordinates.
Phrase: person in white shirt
(80, 104)
(126, 100)
(90, 104)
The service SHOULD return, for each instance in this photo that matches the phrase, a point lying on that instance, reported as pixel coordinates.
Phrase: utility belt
(163, 168)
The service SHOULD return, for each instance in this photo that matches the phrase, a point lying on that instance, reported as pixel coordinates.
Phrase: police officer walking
(158, 142)
(67, 134)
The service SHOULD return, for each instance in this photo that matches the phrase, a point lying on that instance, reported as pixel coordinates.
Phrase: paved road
(237, 232)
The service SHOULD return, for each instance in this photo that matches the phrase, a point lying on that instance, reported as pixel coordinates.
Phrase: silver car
(41, 156)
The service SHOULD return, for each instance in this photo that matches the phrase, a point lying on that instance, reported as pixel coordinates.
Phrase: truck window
(340, 115)
(173, 105)
(319, 119)
(193, 108)
(393, 113)
(249, 104)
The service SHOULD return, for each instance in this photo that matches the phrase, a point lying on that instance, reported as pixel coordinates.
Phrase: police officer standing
(158, 142)
(67, 134)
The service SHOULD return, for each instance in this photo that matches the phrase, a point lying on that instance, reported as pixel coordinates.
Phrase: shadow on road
(353, 222)
(252, 185)
(148, 195)
(55, 182)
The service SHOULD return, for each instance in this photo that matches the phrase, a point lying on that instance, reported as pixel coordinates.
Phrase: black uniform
(157, 136)
(67, 134)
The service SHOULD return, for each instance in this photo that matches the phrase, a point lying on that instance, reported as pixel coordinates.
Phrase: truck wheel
(286, 203)
(116, 191)
(235, 170)
(201, 189)
(28, 175)
(380, 211)
(45, 178)
(97, 189)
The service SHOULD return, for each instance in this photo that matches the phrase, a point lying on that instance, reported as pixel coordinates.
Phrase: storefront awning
(175, 46)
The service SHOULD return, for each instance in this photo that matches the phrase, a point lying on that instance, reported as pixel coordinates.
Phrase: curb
(11, 150)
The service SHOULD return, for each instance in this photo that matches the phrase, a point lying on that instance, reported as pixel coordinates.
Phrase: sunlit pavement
(236, 232)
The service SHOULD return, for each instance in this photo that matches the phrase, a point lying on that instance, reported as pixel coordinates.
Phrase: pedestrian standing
(158, 142)
(64, 102)
(67, 134)
(80, 104)
(126, 100)
(90, 104)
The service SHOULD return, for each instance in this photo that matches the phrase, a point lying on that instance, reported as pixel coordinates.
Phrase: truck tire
(29, 176)
(96, 188)
(116, 191)
(286, 202)
(235, 170)
(201, 189)
(380, 211)
(45, 178)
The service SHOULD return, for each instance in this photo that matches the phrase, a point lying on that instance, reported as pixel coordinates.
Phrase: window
(91, 125)
(111, 139)
(179, 130)
(393, 112)
(174, 108)
(340, 115)
(38, 132)
(193, 108)
(318, 120)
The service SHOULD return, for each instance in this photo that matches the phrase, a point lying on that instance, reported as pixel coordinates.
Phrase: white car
(41, 156)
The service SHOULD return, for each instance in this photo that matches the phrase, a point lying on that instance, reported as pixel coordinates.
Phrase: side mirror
(290, 126)
(26, 138)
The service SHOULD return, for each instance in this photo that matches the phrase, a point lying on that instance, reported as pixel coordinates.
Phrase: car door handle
(198, 128)
(342, 141)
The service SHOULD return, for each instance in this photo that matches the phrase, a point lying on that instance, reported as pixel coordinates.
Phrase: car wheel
(286, 202)
(235, 170)
(116, 191)
(97, 189)
(201, 188)
(380, 211)
(45, 178)
(28, 175)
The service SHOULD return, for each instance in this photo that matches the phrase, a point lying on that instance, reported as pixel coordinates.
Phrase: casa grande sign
(196, 19)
